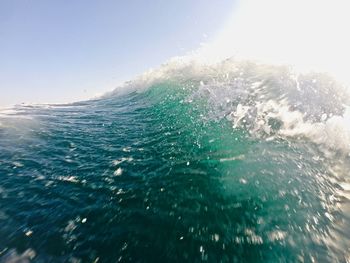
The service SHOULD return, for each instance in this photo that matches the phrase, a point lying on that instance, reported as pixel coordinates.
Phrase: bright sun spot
(309, 34)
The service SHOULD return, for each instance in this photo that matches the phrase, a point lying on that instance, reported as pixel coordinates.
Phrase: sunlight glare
(309, 34)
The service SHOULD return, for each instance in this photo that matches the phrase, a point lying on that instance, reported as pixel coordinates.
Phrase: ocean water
(233, 162)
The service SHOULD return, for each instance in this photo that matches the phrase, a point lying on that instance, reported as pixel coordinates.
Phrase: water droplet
(216, 237)
(118, 172)
(243, 181)
(29, 233)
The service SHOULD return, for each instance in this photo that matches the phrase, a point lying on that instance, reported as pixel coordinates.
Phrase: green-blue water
(159, 175)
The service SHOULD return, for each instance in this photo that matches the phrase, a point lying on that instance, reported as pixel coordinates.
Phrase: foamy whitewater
(234, 161)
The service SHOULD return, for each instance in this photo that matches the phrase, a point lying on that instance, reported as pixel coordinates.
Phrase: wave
(254, 146)
(270, 101)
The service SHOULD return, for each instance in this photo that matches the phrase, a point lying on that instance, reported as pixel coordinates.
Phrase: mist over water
(230, 162)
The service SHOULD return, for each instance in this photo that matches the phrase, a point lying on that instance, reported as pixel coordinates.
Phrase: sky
(62, 50)
(308, 34)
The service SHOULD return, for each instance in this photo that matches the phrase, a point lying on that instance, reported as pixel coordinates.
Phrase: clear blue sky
(64, 50)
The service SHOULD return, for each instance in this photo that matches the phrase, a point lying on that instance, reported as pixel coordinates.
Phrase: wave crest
(267, 100)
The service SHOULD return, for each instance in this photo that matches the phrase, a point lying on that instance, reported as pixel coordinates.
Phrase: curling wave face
(236, 161)
(312, 105)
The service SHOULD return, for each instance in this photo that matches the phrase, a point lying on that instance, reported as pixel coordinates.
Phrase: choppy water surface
(234, 163)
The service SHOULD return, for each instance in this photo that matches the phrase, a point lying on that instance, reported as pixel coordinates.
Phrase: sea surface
(232, 162)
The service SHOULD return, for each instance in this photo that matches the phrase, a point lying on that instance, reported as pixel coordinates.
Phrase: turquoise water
(179, 172)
